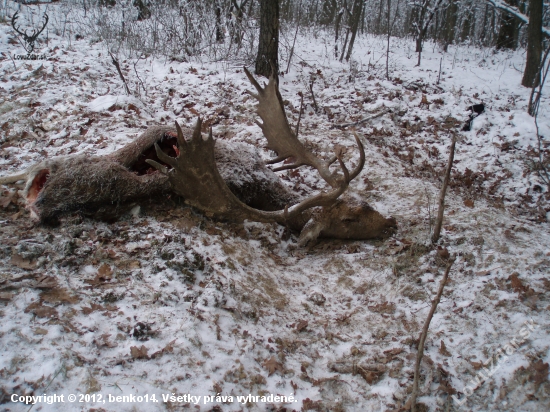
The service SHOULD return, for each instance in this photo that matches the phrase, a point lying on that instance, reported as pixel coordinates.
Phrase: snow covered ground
(168, 302)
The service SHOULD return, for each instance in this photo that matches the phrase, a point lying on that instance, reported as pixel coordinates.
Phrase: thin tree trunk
(357, 11)
(508, 26)
(268, 46)
(450, 24)
(388, 44)
(379, 19)
(484, 26)
(531, 75)
(345, 44)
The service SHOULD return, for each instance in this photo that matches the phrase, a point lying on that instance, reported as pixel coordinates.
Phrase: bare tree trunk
(423, 25)
(379, 19)
(450, 23)
(268, 46)
(531, 75)
(388, 43)
(219, 32)
(356, 17)
(508, 26)
(337, 31)
(483, 34)
(295, 36)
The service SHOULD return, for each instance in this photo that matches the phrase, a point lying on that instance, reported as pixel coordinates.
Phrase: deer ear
(310, 233)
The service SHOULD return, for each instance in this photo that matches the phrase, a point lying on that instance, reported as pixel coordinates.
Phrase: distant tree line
(230, 27)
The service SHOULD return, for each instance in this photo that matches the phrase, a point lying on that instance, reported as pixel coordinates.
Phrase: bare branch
(515, 12)
(440, 212)
(117, 65)
(420, 353)
(364, 120)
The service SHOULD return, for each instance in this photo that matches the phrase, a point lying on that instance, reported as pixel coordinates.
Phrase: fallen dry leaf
(443, 349)
(469, 203)
(516, 283)
(139, 353)
(540, 374)
(59, 295)
(301, 325)
(273, 365)
(169, 348)
(385, 307)
(128, 264)
(41, 311)
(95, 307)
(22, 263)
(105, 271)
(445, 386)
(476, 365)
(371, 373)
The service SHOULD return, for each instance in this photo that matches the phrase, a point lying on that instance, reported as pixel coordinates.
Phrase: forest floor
(165, 301)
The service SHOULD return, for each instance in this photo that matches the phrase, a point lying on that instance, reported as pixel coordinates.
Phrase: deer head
(28, 39)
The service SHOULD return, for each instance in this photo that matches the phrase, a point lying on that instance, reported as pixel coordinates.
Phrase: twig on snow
(117, 65)
(439, 220)
(366, 119)
(420, 353)
(300, 114)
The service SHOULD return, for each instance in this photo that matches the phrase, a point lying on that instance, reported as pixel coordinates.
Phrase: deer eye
(349, 220)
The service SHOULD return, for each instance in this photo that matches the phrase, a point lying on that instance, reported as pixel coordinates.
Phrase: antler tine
(361, 164)
(161, 168)
(253, 81)
(197, 132)
(281, 138)
(276, 160)
(181, 140)
(164, 157)
(287, 167)
(343, 166)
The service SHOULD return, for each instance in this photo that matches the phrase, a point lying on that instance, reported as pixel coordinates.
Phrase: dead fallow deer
(194, 174)
(224, 180)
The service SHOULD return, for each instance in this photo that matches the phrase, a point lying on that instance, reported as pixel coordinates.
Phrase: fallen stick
(366, 119)
(420, 353)
(117, 65)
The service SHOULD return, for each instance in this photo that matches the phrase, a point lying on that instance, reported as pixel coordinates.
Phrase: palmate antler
(282, 140)
(195, 176)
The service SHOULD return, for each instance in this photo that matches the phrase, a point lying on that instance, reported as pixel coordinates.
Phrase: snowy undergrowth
(170, 302)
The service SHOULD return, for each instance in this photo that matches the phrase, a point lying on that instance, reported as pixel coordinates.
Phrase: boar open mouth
(167, 143)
